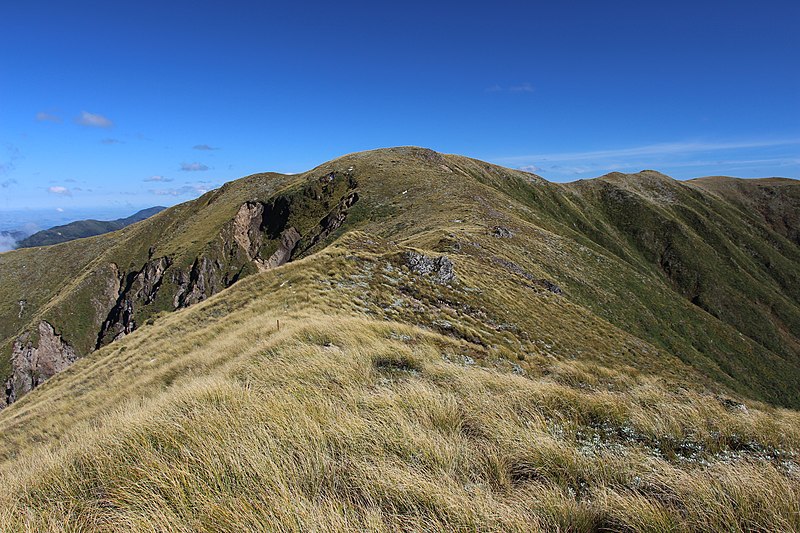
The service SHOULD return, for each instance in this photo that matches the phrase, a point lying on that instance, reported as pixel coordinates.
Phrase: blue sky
(120, 105)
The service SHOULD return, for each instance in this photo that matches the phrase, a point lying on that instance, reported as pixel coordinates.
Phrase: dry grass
(213, 420)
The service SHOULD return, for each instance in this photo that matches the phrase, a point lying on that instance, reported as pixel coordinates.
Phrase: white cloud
(60, 209)
(193, 167)
(161, 179)
(93, 120)
(111, 141)
(203, 147)
(59, 190)
(43, 116)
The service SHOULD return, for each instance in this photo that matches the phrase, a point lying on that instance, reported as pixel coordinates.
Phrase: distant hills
(84, 228)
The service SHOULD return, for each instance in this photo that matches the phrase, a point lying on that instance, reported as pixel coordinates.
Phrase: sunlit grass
(213, 419)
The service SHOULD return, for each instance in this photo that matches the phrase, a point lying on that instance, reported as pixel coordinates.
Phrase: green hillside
(400, 339)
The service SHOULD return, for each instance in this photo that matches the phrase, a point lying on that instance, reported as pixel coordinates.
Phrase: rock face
(440, 269)
(289, 239)
(31, 366)
(139, 286)
(247, 227)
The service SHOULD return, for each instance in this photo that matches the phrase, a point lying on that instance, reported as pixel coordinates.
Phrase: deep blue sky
(115, 104)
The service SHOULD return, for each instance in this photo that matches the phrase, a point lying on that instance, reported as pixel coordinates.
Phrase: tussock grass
(343, 421)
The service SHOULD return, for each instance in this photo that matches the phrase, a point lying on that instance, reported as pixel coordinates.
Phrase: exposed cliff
(32, 365)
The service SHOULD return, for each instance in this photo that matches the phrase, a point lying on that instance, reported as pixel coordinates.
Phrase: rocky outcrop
(501, 232)
(137, 287)
(206, 277)
(289, 239)
(32, 365)
(439, 269)
(247, 227)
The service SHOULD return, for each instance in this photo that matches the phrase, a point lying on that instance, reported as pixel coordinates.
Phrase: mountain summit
(402, 339)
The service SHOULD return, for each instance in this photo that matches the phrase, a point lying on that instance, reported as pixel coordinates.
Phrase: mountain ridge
(406, 340)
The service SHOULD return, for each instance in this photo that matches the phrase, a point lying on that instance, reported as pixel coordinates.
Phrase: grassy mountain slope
(84, 228)
(473, 347)
(775, 201)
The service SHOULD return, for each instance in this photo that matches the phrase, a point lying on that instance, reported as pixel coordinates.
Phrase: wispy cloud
(8, 183)
(160, 179)
(522, 88)
(652, 149)
(186, 190)
(193, 167)
(204, 147)
(59, 190)
(525, 87)
(93, 120)
(43, 116)
(686, 158)
(111, 141)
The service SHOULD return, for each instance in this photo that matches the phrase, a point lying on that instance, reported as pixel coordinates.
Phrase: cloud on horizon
(193, 167)
(7, 242)
(93, 120)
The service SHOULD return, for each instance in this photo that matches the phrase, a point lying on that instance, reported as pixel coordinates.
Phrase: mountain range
(83, 228)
